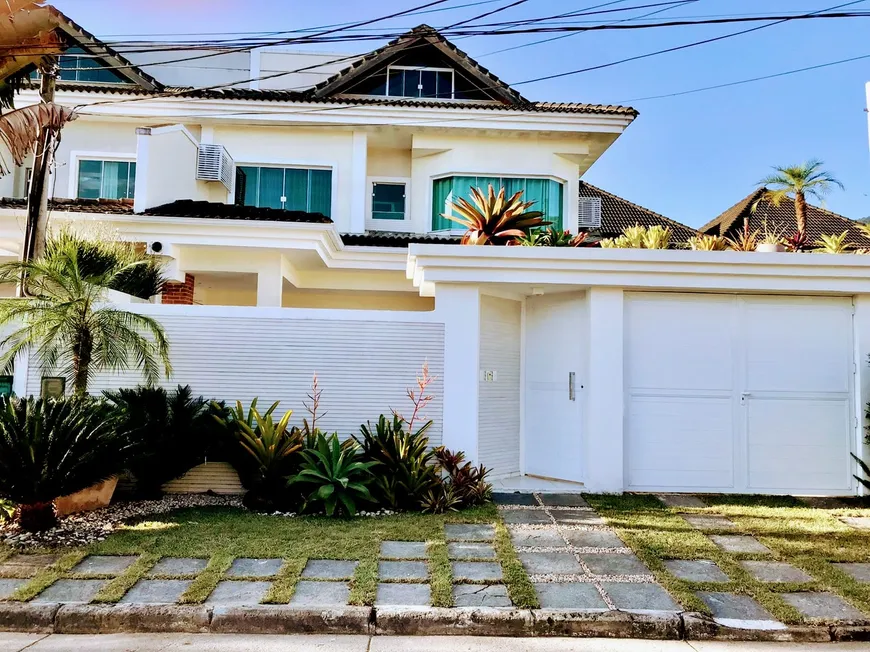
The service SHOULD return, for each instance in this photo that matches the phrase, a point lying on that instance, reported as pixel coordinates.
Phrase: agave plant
(493, 220)
(833, 244)
(52, 448)
(337, 478)
(707, 243)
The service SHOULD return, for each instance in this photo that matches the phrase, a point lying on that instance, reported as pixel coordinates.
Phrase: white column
(862, 378)
(459, 308)
(605, 403)
(359, 167)
(143, 147)
(270, 284)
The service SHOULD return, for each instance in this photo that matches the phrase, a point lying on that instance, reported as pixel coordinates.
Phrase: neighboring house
(781, 220)
(300, 217)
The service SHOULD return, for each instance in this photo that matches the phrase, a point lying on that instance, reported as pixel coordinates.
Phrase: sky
(688, 157)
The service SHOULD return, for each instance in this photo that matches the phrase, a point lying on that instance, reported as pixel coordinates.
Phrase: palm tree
(798, 182)
(67, 320)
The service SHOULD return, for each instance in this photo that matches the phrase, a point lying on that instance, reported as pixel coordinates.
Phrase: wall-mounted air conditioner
(214, 163)
(589, 213)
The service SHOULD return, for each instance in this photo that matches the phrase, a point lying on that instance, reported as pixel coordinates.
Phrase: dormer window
(420, 82)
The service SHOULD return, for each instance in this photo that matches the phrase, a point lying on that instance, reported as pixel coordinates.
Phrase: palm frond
(20, 129)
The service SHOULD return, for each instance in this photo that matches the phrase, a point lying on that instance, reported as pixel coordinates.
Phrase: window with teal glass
(293, 189)
(106, 180)
(547, 194)
(77, 65)
(5, 385)
(388, 201)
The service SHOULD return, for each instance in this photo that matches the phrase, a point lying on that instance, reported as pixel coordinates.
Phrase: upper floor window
(422, 82)
(77, 65)
(546, 193)
(106, 179)
(388, 201)
(294, 189)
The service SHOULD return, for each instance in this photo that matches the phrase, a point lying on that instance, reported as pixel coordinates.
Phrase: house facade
(298, 202)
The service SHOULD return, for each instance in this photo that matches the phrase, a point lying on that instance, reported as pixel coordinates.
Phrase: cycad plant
(51, 448)
(492, 219)
(66, 320)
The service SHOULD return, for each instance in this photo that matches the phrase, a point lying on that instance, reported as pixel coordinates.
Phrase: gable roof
(420, 35)
(782, 218)
(618, 214)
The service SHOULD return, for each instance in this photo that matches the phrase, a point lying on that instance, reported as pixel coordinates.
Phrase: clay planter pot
(769, 247)
(86, 500)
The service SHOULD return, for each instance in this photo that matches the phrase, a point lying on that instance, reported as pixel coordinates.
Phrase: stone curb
(700, 627)
(282, 619)
(27, 617)
(603, 623)
(463, 621)
(141, 618)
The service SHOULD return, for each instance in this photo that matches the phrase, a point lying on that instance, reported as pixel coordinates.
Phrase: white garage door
(742, 394)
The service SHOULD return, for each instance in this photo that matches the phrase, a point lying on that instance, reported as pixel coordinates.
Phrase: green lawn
(222, 534)
(800, 535)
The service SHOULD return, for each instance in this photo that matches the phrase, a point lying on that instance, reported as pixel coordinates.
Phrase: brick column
(179, 294)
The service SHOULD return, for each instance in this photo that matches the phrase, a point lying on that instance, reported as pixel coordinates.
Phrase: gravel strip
(592, 579)
(588, 550)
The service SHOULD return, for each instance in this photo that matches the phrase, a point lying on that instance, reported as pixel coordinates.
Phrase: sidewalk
(296, 643)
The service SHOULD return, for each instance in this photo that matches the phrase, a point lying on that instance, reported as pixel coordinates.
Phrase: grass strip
(519, 586)
(116, 588)
(440, 573)
(205, 583)
(364, 585)
(47, 576)
(284, 586)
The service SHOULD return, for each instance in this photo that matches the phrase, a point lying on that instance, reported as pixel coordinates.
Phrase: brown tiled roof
(112, 206)
(395, 239)
(617, 214)
(219, 211)
(781, 219)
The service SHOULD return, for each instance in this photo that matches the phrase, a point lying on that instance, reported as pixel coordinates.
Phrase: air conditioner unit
(154, 248)
(589, 213)
(214, 163)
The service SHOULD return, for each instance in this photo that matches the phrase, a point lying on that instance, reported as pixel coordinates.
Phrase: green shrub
(335, 475)
(51, 448)
(461, 484)
(174, 431)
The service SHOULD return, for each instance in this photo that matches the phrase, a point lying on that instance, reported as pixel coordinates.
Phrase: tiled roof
(781, 219)
(219, 211)
(395, 239)
(112, 206)
(617, 214)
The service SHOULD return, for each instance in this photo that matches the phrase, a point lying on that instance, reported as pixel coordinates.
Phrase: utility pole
(37, 198)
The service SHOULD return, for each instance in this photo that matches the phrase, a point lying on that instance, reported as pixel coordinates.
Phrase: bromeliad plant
(462, 485)
(640, 237)
(707, 243)
(337, 478)
(492, 219)
(552, 237)
(833, 244)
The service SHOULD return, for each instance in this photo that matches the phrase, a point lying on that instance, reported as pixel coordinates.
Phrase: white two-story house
(298, 201)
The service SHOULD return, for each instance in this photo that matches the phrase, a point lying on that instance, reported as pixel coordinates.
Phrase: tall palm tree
(66, 318)
(798, 182)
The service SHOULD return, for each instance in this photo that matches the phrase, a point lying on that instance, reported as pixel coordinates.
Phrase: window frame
(404, 225)
(77, 156)
(294, 165)
(421, 69)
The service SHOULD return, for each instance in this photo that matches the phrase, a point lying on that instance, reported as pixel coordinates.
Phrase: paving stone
(476, 595)
(593, 539)
(731, 606)
(614, 564)
(739, 543)
(859, 522)
(579, 517)
(681, 500)
(26, 565)
(104, 564)
(825, 606)
(179, 566)
(858, 572)
(403, 570)
(696, 570)
(229, 593)
(526, 516)
(255, 567)
(569, 595)
(156, 592)
(469, 532)
(10, 586)
(476, 571)
(403, 550)
(71, 591)
(320, 594)
(563, 500)
(775, 571)
(544, 538)
(647, 596)
(330, 569)
(401, 595)
(550, 563)
(527, 500)
(470, 551)
(708, 522)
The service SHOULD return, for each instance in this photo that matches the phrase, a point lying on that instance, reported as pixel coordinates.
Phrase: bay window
(293, 189)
